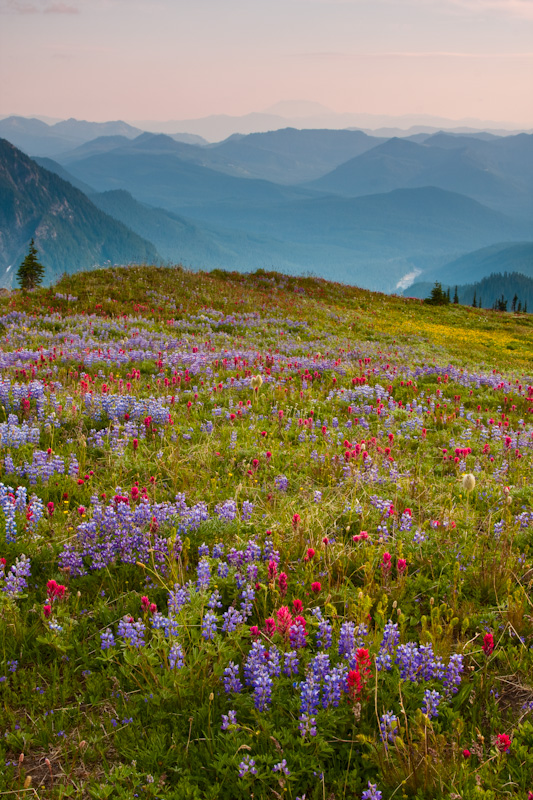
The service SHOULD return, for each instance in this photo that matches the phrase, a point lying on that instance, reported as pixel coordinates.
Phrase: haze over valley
(346, 205)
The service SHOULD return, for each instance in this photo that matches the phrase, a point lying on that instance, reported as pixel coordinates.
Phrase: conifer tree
(438, 296)
(456, 297)
(474, 303)
(31, 272)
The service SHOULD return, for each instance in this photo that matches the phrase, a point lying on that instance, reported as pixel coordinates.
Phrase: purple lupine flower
(235, 557)
(131, 631)
(262, 689)
(257, 670)
(232, 619)
(167, 624)
(178, 597)
(73, 466)
(175, 656)
(252, 552)
(430, 706)
(419, 537)
(452, 675)
(226, 511)
(15, 579)
(247, 766)
(431, 666)
(324, 636)
(320, 666)
(116, 532)
(21, 499)
(218, 550)
(248, 596)
(309, 695)
(346, 638)
(232, 683)
(290, 665)
(214, 600)
(240, 580)
(297, 635)
(36, 507)
(223, 570)
(71, 560)
(7, 504)
(281, 483)
(388, 726)
(209, 625)
(254, 661)
(273, 663)
(406, 521)
(372, 793)
(307, 725)
(309, 702)
(334, 686)
(204, 574)
(281, 767)
(247, 510)
(419, 663)
(228, 720)
(107, 639)
(203, 550)
(407, 658)
(391, 637)
(269, 554)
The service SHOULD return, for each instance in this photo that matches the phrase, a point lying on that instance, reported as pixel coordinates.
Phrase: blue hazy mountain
(184, 200)
(474, 266)
(428, 217)
(39, 139)
(200, 245)
(58, 169)
(373, 241)
(497, 172)
(69, 231)
(289, 155)
(285, 156)
(159, 171)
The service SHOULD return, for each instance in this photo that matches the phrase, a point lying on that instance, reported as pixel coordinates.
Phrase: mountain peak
(297, 108)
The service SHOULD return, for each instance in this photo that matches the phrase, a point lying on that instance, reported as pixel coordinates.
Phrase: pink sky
(179, 59)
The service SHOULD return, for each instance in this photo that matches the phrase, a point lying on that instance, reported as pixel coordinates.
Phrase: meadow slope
(263, 536)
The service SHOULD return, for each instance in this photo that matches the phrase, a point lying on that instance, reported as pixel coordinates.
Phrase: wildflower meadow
(263, 537)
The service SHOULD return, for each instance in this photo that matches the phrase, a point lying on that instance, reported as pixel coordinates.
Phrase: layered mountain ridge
(342, 204)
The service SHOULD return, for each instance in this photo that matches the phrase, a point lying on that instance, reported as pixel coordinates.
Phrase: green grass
(144, 378)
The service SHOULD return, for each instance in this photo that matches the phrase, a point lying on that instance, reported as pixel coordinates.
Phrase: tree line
(499, 292)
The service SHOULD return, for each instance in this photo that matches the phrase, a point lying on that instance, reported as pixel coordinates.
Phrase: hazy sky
(178, 59)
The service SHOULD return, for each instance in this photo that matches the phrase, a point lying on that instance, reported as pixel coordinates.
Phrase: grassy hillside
(263, 536)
